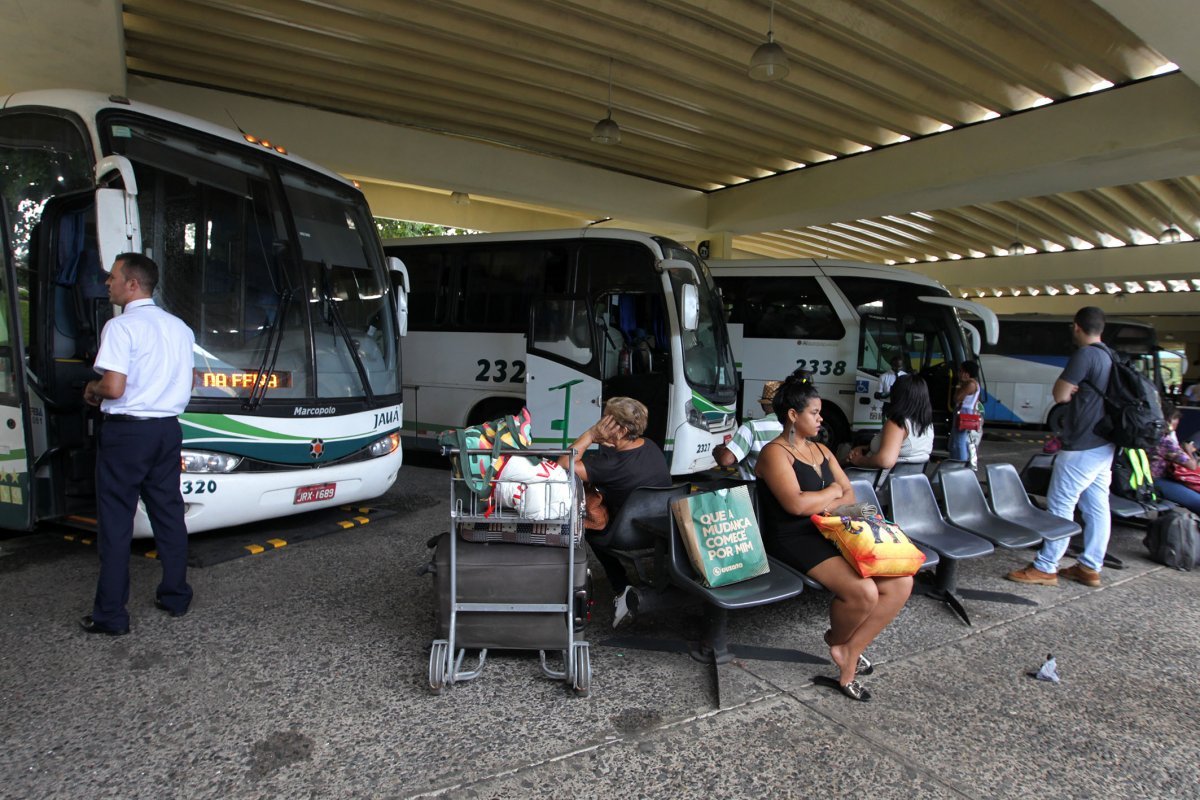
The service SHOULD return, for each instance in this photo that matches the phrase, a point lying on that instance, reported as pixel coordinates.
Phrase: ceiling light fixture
(460, 198)
(1170, 234)
(1017, 248)
(769, 62)
(606, 131)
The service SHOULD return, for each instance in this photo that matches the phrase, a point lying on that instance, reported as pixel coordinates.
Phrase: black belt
(130, 418)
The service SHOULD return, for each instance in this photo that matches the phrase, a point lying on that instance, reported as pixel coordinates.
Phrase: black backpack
(1174, 539)
(1131, 475)
(1132, 412)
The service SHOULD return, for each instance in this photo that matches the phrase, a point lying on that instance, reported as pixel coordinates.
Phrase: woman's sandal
(854, 690)
(865, 667)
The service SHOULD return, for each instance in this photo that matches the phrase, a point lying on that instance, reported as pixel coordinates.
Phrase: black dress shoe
(90, 625)
(161, 606)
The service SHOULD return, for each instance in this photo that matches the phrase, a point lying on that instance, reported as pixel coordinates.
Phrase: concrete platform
(301, 672)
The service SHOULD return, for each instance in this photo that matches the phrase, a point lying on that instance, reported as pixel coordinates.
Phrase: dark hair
(910, 403)
(141, 268)
(1090, 320)
(971, 368)
(1170, 412)
(796, 392)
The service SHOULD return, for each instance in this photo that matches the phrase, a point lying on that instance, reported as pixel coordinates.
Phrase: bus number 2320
(499, 371)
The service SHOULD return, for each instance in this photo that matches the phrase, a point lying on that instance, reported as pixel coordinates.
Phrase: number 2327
(498, 371)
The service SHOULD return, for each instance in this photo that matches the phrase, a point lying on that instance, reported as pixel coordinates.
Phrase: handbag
(595, 515)
(969, 422)
(873, 546)
(720, 532)
(1186, 475)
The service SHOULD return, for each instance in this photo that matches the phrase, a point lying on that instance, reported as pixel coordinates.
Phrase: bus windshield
(895, 323)
(707, 355)
(275, 268)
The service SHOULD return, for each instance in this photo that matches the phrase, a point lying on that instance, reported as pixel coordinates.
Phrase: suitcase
(501, 572)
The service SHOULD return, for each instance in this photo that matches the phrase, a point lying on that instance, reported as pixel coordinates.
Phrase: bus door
(16, 508)
(562, 384)
(70, 305)
(634, 347)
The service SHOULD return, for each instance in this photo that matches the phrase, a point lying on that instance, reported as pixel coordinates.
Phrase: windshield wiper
(340, 326)
(266, 367)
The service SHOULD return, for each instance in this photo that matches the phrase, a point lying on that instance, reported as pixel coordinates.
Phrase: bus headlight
(203, 461)
(381, 447)
(694, 417)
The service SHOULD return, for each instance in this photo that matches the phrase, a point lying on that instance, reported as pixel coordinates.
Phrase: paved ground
(301, 673)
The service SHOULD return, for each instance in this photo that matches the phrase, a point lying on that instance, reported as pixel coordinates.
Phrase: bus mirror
(689, 302)
(119, 164)
(117, 226)
(399, 273)
(400, 285)
(972, 334)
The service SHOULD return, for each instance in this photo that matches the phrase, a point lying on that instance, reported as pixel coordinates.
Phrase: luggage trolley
(500, 577)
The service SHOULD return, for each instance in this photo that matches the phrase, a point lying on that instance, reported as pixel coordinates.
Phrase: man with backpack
(1083, 468)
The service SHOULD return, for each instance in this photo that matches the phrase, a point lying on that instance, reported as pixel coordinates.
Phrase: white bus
(272, 261)
(560, 321)
(1033, 349)
(845, 322)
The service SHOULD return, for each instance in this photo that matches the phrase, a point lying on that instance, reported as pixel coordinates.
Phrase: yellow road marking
(346, 523)
(255, 548)
(362, 520)
(276, 542)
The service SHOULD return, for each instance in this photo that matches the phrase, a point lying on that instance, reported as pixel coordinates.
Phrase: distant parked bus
(845, 322)
(1022, 366)
(561, 321)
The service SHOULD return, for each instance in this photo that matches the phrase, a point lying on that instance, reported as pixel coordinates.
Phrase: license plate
(315, 493)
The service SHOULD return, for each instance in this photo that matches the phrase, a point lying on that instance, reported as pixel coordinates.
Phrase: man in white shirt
(145, 363)
(752, 436)
(888, 379)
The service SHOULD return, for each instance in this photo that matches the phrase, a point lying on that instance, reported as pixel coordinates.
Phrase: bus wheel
(835, 431)
(494, 408)
(1057, 418)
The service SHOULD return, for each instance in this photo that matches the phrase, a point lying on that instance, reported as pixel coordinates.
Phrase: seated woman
(796, 479)
(1169, 452)
(907, 434)
(624, 461)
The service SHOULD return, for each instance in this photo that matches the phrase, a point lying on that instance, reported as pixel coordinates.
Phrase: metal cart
(559, 525)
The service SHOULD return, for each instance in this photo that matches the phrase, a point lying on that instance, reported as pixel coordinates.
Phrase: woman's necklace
(815, 463)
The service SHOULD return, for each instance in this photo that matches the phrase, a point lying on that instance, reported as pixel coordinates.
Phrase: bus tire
(493, 408)
(835, 431)
(1057, 417)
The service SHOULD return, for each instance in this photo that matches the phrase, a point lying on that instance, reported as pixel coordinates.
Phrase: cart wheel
(437, 665)
(582, 679)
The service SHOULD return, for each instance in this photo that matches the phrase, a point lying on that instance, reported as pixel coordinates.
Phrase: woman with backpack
(1164, 459)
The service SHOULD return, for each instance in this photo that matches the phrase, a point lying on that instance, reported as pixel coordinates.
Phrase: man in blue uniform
(145, 363)
(1083, 468)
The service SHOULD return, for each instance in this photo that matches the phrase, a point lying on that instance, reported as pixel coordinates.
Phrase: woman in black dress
(796, 479)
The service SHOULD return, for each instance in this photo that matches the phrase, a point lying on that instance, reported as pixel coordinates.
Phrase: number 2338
(823, 367)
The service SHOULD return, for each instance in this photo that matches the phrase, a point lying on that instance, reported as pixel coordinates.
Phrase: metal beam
(56, 44)
(1139, 132)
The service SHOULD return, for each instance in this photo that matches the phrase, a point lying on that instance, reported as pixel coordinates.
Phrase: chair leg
(945, 583)
(714, 647)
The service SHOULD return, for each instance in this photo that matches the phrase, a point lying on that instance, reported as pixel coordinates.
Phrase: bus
(272, 261)
(1033, 349)
(845, 322)
(560, 321)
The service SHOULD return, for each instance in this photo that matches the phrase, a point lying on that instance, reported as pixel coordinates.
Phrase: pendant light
(606, 131)
(769, 62)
